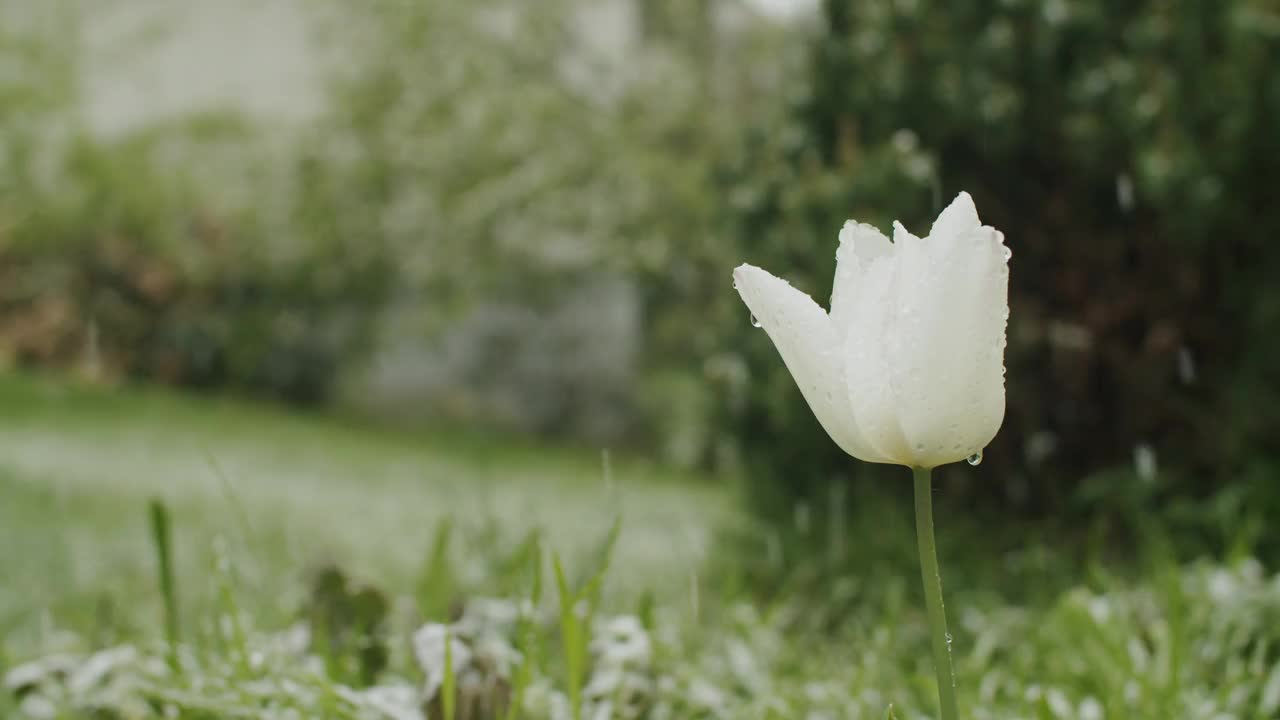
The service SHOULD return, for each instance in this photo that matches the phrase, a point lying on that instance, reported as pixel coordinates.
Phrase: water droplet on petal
(755, 322)
(1008, 252)
(975, 458)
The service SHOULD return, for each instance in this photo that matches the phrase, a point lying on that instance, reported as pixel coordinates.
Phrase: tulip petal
(958, 218)
(867, 372)
(947, 350)
(860, 244)
(810, 347)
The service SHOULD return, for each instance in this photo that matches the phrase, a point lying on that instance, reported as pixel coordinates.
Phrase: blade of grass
(435, 589)
(230, 628)
(599, 564)
(161, 539)
(230, 494)
(572, 638)
(575, 627)
(448, 698)
(526, 634)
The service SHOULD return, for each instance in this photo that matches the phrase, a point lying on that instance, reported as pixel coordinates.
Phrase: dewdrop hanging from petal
(908, 365)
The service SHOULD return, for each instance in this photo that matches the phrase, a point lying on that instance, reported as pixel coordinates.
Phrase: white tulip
(908, 367)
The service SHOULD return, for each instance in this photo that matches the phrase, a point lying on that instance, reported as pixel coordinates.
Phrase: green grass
(283, 524)
(139, 443)
(291, 493)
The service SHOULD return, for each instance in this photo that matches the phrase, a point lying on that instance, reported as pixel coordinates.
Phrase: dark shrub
(1129, 151)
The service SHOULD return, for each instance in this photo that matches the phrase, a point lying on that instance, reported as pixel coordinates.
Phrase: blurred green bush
(1129, 151)
(124, 267)
(200, 252)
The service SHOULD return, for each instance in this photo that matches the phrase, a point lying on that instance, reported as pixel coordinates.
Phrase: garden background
(420, 294)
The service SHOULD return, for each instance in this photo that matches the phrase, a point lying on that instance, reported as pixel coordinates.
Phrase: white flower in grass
(908, 366)
(429, 648)
(99, 667)
(621, 683)
(392, 702)
(622, 641)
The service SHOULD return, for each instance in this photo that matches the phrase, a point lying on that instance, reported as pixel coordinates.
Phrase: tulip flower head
(908, 365)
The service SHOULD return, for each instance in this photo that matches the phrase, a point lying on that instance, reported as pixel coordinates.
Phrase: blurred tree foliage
(507, 147)
(1129, 152)
(512, 151)
(479, 151)
(195, 251)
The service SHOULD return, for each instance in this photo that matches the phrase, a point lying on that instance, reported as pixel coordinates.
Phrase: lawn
(698, 614)
(78, 465)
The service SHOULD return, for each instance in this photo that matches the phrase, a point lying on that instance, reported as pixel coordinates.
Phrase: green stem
(933, 594)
